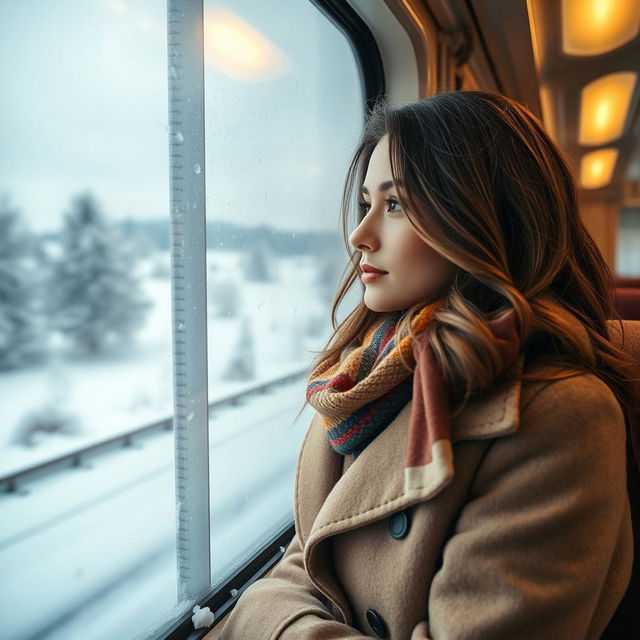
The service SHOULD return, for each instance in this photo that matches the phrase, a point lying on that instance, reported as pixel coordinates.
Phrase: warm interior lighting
(596, 168)
(238, 50)
(591, 27)
(533, 30)
(604, 106)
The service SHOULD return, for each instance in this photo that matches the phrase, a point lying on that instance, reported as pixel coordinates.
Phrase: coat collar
(328, 502)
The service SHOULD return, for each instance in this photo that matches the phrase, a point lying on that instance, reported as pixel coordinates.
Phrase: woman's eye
(393, 206)
(391, 202)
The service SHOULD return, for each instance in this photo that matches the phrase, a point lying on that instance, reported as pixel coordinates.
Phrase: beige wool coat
(531, 539)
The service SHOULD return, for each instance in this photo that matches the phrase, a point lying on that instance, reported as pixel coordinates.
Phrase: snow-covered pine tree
(95, 298)
(21, 338)
(242, 364)
(259, 262)
(224, 298)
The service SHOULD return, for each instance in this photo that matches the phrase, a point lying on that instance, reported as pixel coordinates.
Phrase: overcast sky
(84, 107)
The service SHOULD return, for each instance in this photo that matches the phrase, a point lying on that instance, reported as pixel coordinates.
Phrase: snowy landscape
(94, 545)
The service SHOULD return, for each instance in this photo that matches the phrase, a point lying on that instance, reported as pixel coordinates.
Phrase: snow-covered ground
(94, 547)
(116, 392)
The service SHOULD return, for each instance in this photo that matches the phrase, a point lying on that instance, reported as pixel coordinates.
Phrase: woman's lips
(371, 276)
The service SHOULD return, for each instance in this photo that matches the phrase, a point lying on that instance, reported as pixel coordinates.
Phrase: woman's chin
(375, 304)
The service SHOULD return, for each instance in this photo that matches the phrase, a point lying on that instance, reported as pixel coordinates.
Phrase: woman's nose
(363, 238)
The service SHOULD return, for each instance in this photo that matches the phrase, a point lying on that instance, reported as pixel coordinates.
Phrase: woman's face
(413, 271)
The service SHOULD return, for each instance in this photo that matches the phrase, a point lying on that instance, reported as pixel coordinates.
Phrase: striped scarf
(360, 393)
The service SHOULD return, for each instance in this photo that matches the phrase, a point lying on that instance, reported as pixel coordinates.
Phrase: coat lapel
(374, 485)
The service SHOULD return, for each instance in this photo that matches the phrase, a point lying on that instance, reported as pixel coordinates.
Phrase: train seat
(627, 302)
(626, 282)
(624, 623)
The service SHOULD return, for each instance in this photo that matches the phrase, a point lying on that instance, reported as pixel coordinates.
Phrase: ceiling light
(603, 107)
(592, 27)
(596, 168)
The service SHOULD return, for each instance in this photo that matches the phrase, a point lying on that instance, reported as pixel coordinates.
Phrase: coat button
(377, 623)
(399, 525)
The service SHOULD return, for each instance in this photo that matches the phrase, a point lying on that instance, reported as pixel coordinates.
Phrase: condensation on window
(284, 111)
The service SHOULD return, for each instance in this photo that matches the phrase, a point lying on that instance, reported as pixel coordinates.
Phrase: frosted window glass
(284, 110)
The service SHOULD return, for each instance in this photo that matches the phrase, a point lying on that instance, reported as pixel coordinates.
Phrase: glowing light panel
(596, 168)
(591, 27)
(603, 107)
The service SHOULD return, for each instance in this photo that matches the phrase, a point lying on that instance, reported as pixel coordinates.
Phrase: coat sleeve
(285, 606)
(545, 533)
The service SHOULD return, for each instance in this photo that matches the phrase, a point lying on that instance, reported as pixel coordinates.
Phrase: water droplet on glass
(196, 168)
(234, 593)
(173, 70)
(181, 326)
(190, 417)
(179, 137)
(193, 205)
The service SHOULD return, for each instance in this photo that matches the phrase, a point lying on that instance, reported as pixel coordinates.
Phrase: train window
(87, 468)
(282, 113)
(628, 242)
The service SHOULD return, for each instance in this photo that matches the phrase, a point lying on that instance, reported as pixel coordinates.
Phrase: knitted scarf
(362, 391)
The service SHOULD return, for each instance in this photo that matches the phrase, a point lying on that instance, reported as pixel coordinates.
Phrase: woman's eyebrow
(385, 186)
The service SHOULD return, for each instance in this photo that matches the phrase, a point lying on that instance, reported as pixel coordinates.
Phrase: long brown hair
(505, 205)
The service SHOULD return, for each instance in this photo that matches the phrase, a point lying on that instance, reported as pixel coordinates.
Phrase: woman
(464, 475)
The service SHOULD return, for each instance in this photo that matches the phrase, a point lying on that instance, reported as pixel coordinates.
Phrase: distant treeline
(229, 236)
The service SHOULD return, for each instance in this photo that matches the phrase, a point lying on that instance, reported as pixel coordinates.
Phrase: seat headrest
(627, 303)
